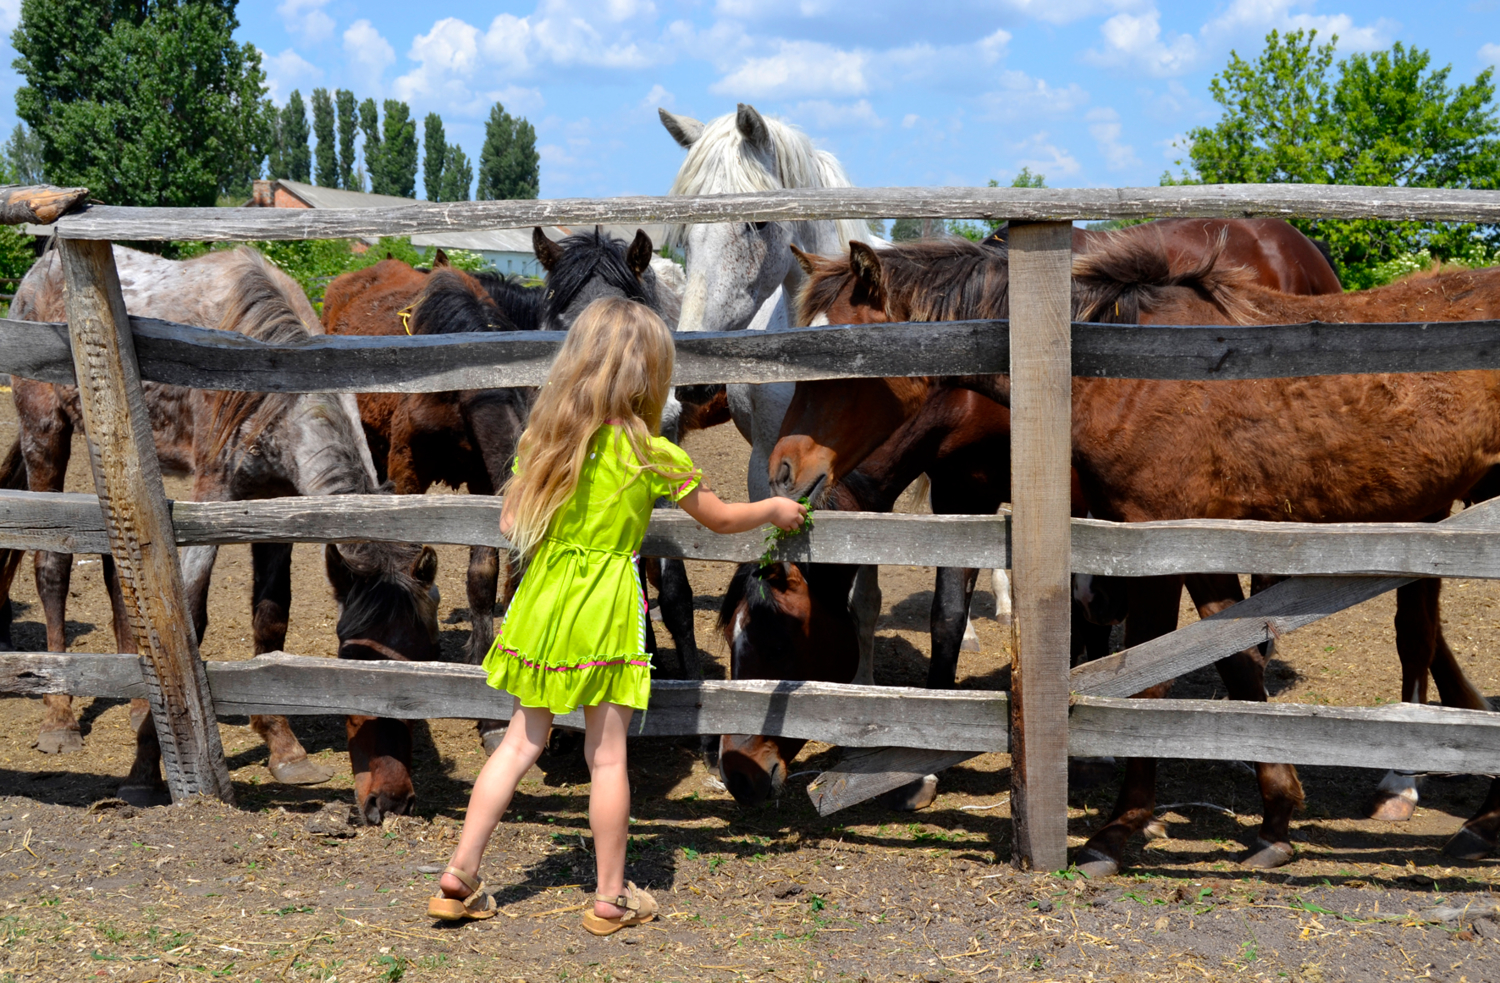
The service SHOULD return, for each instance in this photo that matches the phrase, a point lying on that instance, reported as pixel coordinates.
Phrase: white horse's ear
(753, 128)
(684, 129)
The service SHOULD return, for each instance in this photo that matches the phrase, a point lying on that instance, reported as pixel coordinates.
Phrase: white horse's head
(734, 267)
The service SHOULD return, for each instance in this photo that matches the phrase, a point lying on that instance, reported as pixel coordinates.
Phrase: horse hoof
(491, 740)
(912, 796)
(1468, 845)
(64, 740)
(145, 796)
(1092, 863)
(1155, 830)
(1393, 808)
(300, 771)
(1085, 773)
(1265, 855)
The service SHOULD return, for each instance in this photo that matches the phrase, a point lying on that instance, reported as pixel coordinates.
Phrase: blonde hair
(614, 366)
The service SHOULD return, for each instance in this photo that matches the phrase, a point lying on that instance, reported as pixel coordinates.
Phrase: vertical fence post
(1041, 454)
(127, 477)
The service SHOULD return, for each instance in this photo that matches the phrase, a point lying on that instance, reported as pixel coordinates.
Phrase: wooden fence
(1050, 713)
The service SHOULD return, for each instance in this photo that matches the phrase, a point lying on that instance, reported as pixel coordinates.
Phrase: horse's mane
(259, 308)
(449, 305)
(950, 279)
(521, 303)
(391, 586)
(586, 255)
(719, 162)
(1123, 274)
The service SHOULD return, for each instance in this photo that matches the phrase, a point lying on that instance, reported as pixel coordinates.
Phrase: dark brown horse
(237, 446)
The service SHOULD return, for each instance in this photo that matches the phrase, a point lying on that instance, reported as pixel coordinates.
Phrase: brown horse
(237, 446)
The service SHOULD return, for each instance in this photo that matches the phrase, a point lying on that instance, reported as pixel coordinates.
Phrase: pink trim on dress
(622, 661)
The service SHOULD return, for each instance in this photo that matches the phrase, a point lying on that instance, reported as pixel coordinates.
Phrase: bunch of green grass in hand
(775, 536)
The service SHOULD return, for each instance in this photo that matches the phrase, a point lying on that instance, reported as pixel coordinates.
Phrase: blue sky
(1087, 92)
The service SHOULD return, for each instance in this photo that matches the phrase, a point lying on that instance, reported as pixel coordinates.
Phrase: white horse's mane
(720, 162)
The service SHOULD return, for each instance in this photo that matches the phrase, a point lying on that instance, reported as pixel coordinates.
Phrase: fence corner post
(1041, 459)
(127, 476)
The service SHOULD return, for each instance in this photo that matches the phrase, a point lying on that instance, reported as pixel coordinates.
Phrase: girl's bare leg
(524, 740)
(609, 797)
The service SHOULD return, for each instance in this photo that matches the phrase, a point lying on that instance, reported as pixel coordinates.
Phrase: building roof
(519, 240)
(316, 197)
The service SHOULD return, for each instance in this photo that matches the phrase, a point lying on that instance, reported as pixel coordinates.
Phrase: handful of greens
(775, 536)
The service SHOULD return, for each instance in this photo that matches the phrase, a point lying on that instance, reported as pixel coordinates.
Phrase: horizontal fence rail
(972, 721)
(995, 204)
(73, 523)
(178, 354)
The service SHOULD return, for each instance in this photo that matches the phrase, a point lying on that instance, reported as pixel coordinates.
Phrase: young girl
(588, 470)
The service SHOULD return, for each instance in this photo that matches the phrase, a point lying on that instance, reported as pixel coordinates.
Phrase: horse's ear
(439, 260)
(339, 574)
(684, 129)
(638, 256)
(753, 128)
(425, 568)
(547, 252)
(864, 263)
(808, 262)
(389, 254)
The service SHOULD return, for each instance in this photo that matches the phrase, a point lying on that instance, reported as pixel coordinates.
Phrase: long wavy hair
(614, 366)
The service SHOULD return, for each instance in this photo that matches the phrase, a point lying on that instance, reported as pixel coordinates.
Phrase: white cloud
(909, 120)
(825, 115)
(1046, 158)
(10, 14)
(1021, 97)
(1176, 147)
(658, 96)
(1067, 11)
(1254, 16)
(1490, 54)
(446, 57)
(369, 54)
(305, 20)
(993, 47)
(1105, 128)
(1135, 41)
(288, 71)
(799, 68)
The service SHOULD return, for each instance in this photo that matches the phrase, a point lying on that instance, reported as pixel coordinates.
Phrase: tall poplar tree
(369, 124)
(348, 127)
(327, 157)
(434, 153)
(399, 150)
(458, 175)
(294, 134)
(508, 161)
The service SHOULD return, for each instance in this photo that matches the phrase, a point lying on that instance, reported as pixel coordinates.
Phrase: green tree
(509, 166)
(292, 137)
(434, 153)
(369, 123)
(23, 157)
(323, 129)
(145, 102)
(1385, 118)
(458, 175)
(398, 155)
(348, 126)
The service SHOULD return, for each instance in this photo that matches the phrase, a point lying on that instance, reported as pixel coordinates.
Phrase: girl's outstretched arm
(726, 517)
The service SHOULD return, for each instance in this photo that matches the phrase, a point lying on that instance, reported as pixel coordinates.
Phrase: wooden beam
(991, 204)
(1286, 606)
(865, 773)
(127, 478)
(37, 204)
(1041, 403)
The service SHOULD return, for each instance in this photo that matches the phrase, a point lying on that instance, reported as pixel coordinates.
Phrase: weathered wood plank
(40, 204)
(1030, 204)
(1269, 614)
(1041, 451)
(71, 523)
(867, 772)
(207, 359)
(1402, 735)
(127, 478)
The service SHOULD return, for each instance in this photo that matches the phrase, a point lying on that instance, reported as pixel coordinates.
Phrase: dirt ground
(282, 887)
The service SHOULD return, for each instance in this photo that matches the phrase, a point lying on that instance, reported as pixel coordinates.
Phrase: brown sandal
(639, 907)
(476, 906)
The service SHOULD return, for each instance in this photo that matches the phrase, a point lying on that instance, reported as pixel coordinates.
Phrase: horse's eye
(759, 226)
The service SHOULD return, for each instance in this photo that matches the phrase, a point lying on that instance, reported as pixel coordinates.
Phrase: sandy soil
(282, 888)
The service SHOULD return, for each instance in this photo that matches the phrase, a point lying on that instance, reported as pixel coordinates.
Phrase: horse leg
(59, 732)
(143, 785)
(1417, 630)
(676, 597)
(1088, 642)
(10, 562)
(1153, 612)
(1244, 675)
(1000, 587)
(864, 608)
(951, 595)
(270, 606)
(482, 583)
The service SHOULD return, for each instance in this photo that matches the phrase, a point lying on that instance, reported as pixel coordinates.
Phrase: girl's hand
(787, 514)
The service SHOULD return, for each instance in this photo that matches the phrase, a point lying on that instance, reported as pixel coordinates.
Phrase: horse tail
(1129, 271)
(13, 468)
(1327, 253)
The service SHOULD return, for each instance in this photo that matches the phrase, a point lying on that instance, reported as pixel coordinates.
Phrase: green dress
(575, 633)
